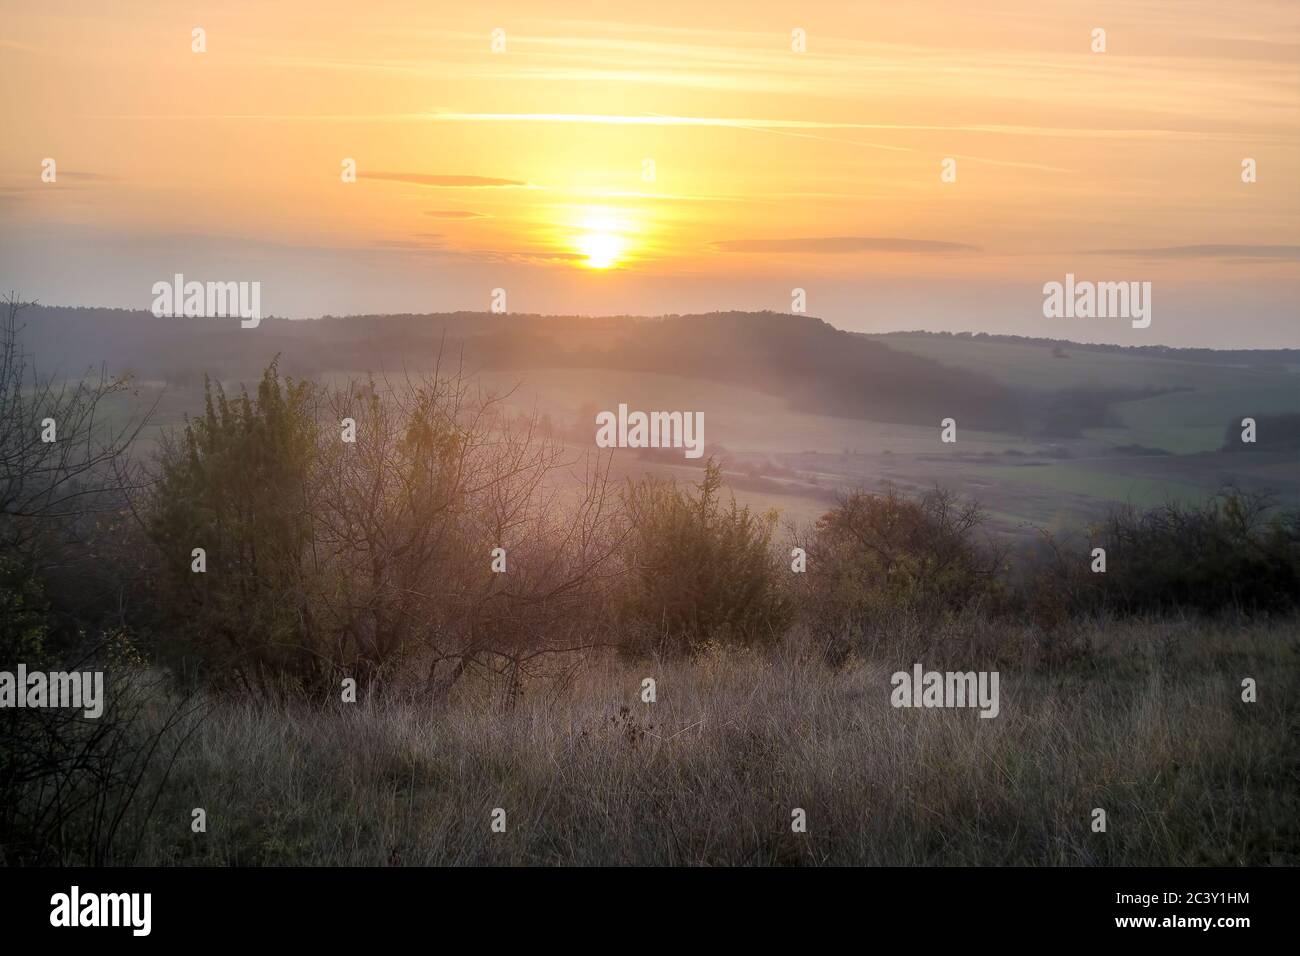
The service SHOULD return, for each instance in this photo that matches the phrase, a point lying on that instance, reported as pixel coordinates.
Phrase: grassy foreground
(1143, 720)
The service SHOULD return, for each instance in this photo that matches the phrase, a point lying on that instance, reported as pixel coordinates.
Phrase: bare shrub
(68, 782)
(331, 558)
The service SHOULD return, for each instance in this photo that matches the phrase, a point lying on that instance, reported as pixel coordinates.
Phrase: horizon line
(964, 333)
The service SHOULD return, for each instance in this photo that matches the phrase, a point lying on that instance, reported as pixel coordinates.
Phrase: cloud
(542, 256)
(65, 179)
(521, 255)
(430, 179)
(455, 214)
(426, 242)
(768, 124)
(1219, 250)
(431, 244)
(842, 244)
(19, 47)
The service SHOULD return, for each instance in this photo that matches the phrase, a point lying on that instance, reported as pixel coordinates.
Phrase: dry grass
(1147, 723)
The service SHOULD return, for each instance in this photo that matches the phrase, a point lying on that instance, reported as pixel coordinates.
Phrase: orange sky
(773, 169)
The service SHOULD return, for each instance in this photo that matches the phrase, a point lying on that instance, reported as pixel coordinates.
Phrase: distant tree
(1280, 432)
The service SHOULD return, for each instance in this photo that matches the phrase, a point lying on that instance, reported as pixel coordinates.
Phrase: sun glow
(602, 249)
(602, 237)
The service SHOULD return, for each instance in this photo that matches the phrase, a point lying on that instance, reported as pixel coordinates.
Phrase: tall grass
(1146, 721)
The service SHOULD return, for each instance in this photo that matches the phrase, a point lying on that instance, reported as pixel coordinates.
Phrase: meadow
(1143, 719)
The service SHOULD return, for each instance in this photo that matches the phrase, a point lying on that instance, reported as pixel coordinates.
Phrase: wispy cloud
(1217, 250)
(525, 255)
(455, 214)
(66, 179)
(1101, 131)
(845, 244)
(753, 122)
(446, 181)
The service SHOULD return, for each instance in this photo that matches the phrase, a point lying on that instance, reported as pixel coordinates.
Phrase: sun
(602, 236)
(602, 249)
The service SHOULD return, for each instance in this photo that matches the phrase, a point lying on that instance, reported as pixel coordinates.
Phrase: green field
(1186, 422)
(1192, 419)
(1034, 366)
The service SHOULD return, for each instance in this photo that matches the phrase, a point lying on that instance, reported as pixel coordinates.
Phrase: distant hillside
(814, 366)
(1009, 384)
(1175, 399)
(1248, 357)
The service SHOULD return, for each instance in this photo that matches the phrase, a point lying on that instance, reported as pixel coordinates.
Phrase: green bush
(875, 557)
(235, 485)
(701, 571)
(1234, 552)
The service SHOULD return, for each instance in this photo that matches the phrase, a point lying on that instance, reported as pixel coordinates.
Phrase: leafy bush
(235, 484)
(1234, 552)
(877, 556)
(700, 570)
